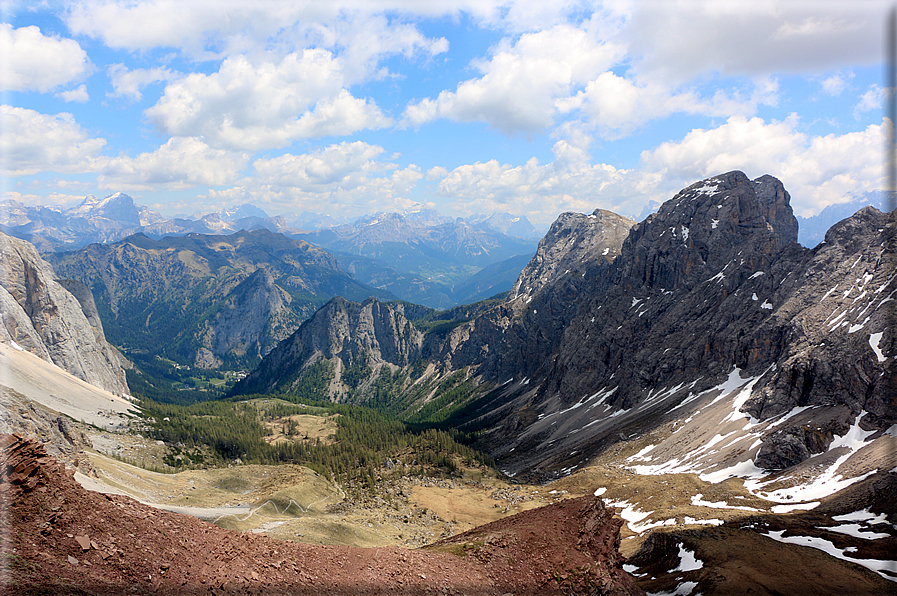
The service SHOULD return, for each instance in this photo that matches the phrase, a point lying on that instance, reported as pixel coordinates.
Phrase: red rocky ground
(62, 539)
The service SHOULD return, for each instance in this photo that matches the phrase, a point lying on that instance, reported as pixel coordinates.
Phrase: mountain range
(617, 329)
(669, 366)
(205, 300)
(420, 256)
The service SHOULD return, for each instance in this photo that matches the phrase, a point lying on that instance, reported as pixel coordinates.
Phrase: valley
(725, 393)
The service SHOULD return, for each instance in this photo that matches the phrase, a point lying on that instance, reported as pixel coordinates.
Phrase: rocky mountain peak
(722, 222)
(351, 336)
(574, 241)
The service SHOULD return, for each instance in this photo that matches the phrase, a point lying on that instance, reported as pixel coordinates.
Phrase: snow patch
(855, 530)
(687, 560)
(690, 521)
(829, 481)
(697, 501)
(863, 515)
(875, 343)
(683, 589)
(794, 507)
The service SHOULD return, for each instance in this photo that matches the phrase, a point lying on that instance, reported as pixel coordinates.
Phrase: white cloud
(179, 163)
(345, 164)
(817, 171)
(569, 183)
(33, 142)
(54, 199)
(872, 99)
(78, 95)
(523, 84)
(835, 84)
(672, 42)
(32, 61)
(128, 83)
(345, 177)
(360, 32)
(236, 25)
(261, 106)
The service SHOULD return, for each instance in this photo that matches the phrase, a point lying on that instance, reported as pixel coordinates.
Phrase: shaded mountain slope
(343, 347)
(208, 301)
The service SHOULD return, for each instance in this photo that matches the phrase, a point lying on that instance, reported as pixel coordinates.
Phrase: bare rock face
(513, 339)
(250, 321)
(42, 317)
(354, 337)
(573, 243)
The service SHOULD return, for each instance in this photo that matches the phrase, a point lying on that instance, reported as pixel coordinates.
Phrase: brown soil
(62, 539)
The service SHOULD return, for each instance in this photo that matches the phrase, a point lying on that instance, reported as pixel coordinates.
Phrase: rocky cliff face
(354, 341)
(513, 340)
(574, 244)
(41, 316)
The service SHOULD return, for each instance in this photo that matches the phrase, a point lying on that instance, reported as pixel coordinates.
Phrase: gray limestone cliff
(355, 340)
(41, 316)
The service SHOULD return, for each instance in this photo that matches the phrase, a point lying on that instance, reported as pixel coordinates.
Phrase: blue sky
(349, 107)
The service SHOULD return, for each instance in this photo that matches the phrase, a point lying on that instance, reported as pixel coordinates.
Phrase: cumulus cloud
(336, 165)
(835, 84)
(214, 29)
(568, 183)
(872, 99)
(128, 83)
(234, 25)
(33, 142)
(348, 176)
(523, 82)
(32, 61)
(78, 95)
(817, 171)
(261, 106)
(179, 163)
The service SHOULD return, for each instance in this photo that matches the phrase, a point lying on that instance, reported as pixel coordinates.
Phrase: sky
(350, 107)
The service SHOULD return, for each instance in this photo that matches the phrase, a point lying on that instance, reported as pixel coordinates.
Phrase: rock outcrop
(715, 281)
(41, 316)
(354, 339)
(574, 244)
